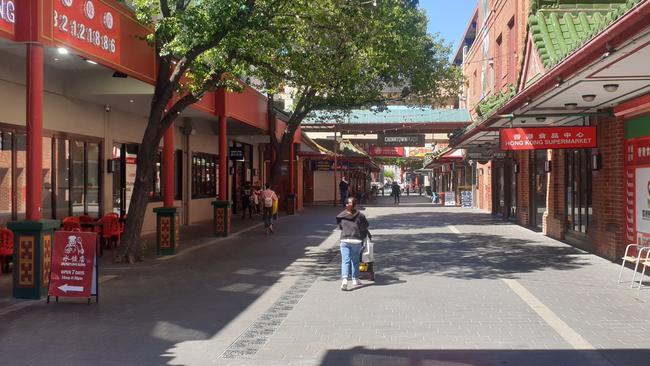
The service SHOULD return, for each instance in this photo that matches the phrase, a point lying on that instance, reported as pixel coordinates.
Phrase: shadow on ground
(495, 357)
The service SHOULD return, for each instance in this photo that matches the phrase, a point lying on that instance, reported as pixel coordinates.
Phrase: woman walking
(354, 228)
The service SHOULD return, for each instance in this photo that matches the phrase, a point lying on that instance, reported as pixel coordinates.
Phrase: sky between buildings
(449, 18)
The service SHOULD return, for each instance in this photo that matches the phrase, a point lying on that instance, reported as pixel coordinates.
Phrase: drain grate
(254, 338)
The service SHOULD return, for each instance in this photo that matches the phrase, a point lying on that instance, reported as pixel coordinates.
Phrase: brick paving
(442, 297)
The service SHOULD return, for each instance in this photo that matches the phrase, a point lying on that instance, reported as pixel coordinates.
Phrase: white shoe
(356, 282)
(344, 285)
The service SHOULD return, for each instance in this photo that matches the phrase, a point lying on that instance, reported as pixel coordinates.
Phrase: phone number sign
(88, 25)
(7, 15)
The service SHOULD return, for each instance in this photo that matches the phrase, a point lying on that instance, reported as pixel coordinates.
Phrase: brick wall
(607, 230)
(555, 223)
(484, 186)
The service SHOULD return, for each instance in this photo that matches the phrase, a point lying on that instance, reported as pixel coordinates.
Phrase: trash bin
(291, 204)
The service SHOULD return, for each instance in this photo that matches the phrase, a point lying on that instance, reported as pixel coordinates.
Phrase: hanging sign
(73, 264)
(539, 138)
(237, 153)
(7, 15)
(327, 165)
(400, 140)
(90, 26)
(385, 151)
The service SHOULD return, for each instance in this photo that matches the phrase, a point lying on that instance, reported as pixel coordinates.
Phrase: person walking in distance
(268, 196)
(344, 187)
(246, 194)
(354, 229)
(396, 191)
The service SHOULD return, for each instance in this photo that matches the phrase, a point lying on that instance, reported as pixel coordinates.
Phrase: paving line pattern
(256, 336)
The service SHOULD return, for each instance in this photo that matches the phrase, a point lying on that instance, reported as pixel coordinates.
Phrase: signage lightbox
(400, 140)
(7, 15)
(538, 138)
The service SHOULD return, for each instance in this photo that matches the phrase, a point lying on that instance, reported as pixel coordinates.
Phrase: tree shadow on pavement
(360, 356)
(418, 220)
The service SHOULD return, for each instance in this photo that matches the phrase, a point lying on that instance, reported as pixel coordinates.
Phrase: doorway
(125, 160)
(538, 179)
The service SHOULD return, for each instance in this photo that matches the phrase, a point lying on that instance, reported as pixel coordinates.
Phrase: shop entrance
(538, 182)
(125, 159)
(242, 174)
(578, 191)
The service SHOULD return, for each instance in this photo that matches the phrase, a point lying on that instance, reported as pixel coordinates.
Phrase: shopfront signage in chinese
(537, 138)
(327, 165)
(400, 140)
(73, 263)
(89, 26)
(7, 15)
(385, 151)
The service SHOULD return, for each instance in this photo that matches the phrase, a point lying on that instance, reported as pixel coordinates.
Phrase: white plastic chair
(638, 259)
(645, 262)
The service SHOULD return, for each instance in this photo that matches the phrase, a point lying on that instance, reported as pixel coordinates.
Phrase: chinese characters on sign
(88, 25)
(7, 15)
(73, 261)
(385, 151)
(536, 138)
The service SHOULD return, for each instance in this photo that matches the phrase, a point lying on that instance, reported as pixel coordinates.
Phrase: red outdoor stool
(71, 224)
(6, 249)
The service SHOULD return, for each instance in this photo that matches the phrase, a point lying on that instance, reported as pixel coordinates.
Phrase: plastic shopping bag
(274, 211)
(368, 254)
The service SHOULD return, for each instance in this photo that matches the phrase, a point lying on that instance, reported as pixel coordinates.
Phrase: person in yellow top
(269, 199)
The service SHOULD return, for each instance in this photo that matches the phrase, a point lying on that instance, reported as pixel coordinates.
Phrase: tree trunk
(141, 188)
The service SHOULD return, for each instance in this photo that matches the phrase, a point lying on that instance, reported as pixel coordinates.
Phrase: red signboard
(537, 138)
(73, 261)
(385, 151)
(7, 15)
(90, 26)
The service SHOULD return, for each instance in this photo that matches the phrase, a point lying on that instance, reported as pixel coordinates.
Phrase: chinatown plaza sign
(90, 26)
(538, 138)
(400, 140)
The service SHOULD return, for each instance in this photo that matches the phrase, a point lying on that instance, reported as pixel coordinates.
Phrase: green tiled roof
(558, 27)
(401, 115)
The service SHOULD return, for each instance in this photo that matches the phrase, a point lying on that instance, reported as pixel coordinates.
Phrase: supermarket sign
(7, 15)
(88, 25)
(538, 138)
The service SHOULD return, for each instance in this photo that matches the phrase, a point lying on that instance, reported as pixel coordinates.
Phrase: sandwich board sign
(74, 265)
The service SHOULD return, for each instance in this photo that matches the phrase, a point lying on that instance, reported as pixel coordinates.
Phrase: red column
(168, 167)
(223, 159)
(292, 185)
(34, 130)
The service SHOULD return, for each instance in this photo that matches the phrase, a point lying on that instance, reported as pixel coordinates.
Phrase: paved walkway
(454, 287)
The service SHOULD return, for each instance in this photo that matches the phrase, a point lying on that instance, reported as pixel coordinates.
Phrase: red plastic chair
(71, 224)
(111, 232)
(6, 249)
(86, 219)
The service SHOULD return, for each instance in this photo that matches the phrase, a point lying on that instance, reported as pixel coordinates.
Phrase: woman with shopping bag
(270, 200)
(354, 229)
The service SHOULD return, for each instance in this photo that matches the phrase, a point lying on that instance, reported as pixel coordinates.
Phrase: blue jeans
(344, 197)
(268, 215)
(350, 254)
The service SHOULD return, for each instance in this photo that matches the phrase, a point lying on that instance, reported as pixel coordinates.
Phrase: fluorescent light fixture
(62, 51)
(610, 87)
(131, 101)
(91, 62)
(589, 97)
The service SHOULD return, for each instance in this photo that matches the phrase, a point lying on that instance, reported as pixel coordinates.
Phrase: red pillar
(223, 159)
(168, 167)
(292, 184)
(34, 131)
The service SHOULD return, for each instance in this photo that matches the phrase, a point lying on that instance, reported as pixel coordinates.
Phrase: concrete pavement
(454, 287)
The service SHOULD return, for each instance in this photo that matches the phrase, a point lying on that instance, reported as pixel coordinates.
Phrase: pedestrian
(396, 191)
(354, 229)
(246, 194)
(344, 189)
(268, 197)
(257, 192)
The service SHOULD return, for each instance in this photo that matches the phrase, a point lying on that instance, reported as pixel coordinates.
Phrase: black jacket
(353, 225)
